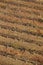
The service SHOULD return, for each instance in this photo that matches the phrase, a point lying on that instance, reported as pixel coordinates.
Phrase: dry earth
(21, 32)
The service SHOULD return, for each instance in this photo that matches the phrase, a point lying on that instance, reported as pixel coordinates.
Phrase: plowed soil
(21, 32)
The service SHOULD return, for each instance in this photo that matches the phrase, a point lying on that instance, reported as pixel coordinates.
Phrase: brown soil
(21, 32)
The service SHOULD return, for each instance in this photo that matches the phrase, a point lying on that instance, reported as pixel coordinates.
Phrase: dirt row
(21, 54)
(24, 9)
(35, 1)
(23, 3)
(10, 61)
(21, 32)
(22, 28)
(14, 19)
(19, 44)
(22, 15)
(20, 36)
(7, 12)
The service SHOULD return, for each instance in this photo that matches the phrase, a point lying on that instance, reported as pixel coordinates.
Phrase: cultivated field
(21, 32)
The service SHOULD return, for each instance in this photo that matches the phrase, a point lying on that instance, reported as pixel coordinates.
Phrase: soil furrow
(21, 15)
(21, 28)
(21, 32)
(15, 53)
(24, 4)
(19, 44)
(21, 21)
(11, 61)
(23, 9)
(20, 36)
(34, 1)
